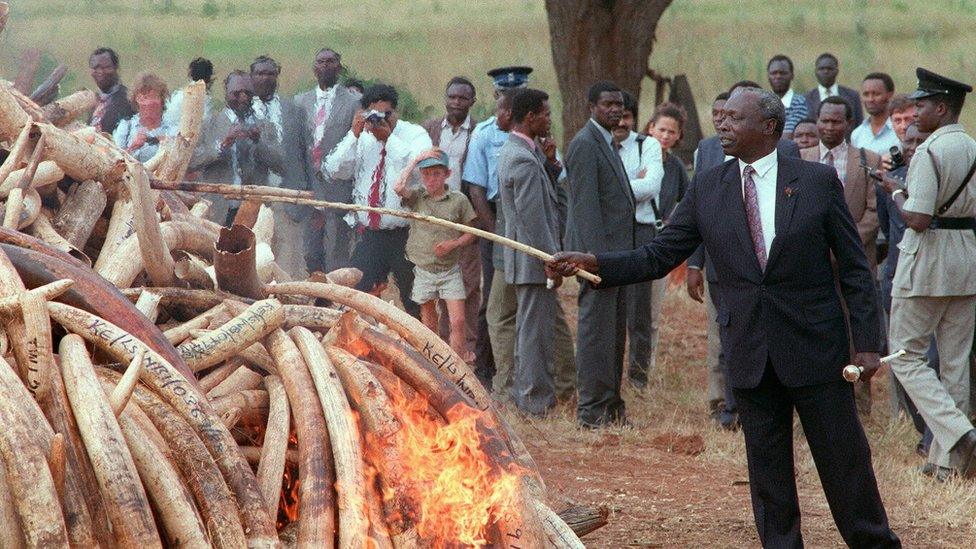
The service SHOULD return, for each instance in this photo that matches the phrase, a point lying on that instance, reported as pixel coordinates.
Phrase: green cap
(435, 160)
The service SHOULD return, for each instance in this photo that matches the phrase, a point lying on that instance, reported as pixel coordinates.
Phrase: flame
(290, 484)
(456, 489)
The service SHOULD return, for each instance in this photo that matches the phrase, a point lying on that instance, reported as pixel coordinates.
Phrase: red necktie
(752, 216)
(374, 190)
(317, 152)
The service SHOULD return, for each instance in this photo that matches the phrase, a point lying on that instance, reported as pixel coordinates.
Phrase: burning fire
(456, 490)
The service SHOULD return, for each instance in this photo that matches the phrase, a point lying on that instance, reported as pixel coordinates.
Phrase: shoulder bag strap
(952, 199)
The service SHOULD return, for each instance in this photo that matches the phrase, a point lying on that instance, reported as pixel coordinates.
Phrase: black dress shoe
(966, 450)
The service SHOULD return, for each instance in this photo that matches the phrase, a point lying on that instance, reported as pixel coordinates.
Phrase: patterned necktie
(752, 215)
(374, 190)
(829, 160)
(317, 152)
(96, 118)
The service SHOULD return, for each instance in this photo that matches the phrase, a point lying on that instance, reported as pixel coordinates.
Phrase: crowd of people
(613, 189)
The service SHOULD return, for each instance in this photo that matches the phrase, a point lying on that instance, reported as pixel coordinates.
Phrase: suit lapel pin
(789, 191)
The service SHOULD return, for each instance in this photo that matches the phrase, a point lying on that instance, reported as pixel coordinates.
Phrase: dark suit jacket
(528, 196)
(852, 97)
(710, 154)
(674, 184)
(789, 314)
(118, 109)
(600, 216)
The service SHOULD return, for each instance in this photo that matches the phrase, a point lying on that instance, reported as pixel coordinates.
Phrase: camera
(374, 116)
(897, 158)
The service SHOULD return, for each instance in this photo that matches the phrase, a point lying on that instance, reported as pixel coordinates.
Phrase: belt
(953, 223)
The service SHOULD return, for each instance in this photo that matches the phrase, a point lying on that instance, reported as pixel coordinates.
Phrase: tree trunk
(599, 40)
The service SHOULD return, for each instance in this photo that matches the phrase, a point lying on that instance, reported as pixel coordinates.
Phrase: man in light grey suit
(329, 110)
(600, 219)
(529, 199)
(235, 146)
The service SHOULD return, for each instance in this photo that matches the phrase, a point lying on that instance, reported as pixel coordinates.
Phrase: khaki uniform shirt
(939, 262)
(453, 206)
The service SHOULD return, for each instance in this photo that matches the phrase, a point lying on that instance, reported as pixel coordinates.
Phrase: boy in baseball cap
(436, 250)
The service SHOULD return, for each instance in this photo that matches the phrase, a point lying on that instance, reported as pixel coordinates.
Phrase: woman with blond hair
(141, 134)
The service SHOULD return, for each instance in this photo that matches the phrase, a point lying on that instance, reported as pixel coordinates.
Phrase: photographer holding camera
(378, 147)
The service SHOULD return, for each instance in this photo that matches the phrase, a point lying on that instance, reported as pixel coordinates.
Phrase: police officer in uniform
(934, 289)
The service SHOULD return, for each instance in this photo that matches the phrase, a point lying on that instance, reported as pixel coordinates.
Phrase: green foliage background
(419, 44)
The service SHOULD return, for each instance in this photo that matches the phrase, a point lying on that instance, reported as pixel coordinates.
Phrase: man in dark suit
(700, 272)
(600, 219)
(329, 110)
(771, 223)
(827, 69)
(113, 98)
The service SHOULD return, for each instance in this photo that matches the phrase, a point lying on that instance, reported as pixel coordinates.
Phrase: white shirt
(827, 92)
(357, 159)
(322, 97)
(645, 188)
(454, 144)
(765, 180)
(787, 98)
(840, 159)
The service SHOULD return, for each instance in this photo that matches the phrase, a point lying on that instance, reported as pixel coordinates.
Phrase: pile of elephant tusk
(164, 383)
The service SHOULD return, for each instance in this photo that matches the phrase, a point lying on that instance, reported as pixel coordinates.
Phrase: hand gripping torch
(852, 373)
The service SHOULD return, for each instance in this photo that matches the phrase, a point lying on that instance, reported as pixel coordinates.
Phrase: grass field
(420, 44)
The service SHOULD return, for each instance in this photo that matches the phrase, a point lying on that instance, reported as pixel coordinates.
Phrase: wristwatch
(899, 191)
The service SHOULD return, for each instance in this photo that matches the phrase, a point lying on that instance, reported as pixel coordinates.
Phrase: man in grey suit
(827, 69)
(235, 146)
(329, 110)
(600, 219)
(287, 122)
(529, 198)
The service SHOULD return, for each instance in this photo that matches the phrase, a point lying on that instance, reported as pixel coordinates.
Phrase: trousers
(943, 398)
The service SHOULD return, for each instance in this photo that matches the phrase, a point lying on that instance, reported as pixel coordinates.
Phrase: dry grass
(420, 44)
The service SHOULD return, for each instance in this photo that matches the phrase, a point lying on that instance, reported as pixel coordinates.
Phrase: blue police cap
(510, 77)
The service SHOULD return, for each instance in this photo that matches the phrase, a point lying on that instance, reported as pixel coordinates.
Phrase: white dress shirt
(454, 144)
(766, 168)
(787, 98)
(645, 188)
(357, 158)
(828, 92)
(322, 97)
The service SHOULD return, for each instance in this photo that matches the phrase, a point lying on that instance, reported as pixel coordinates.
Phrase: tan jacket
(860, 195)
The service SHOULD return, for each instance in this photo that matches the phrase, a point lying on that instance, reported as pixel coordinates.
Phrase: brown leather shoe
(966, 450)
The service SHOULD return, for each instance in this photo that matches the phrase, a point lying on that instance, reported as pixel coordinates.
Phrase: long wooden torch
(276, 194)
